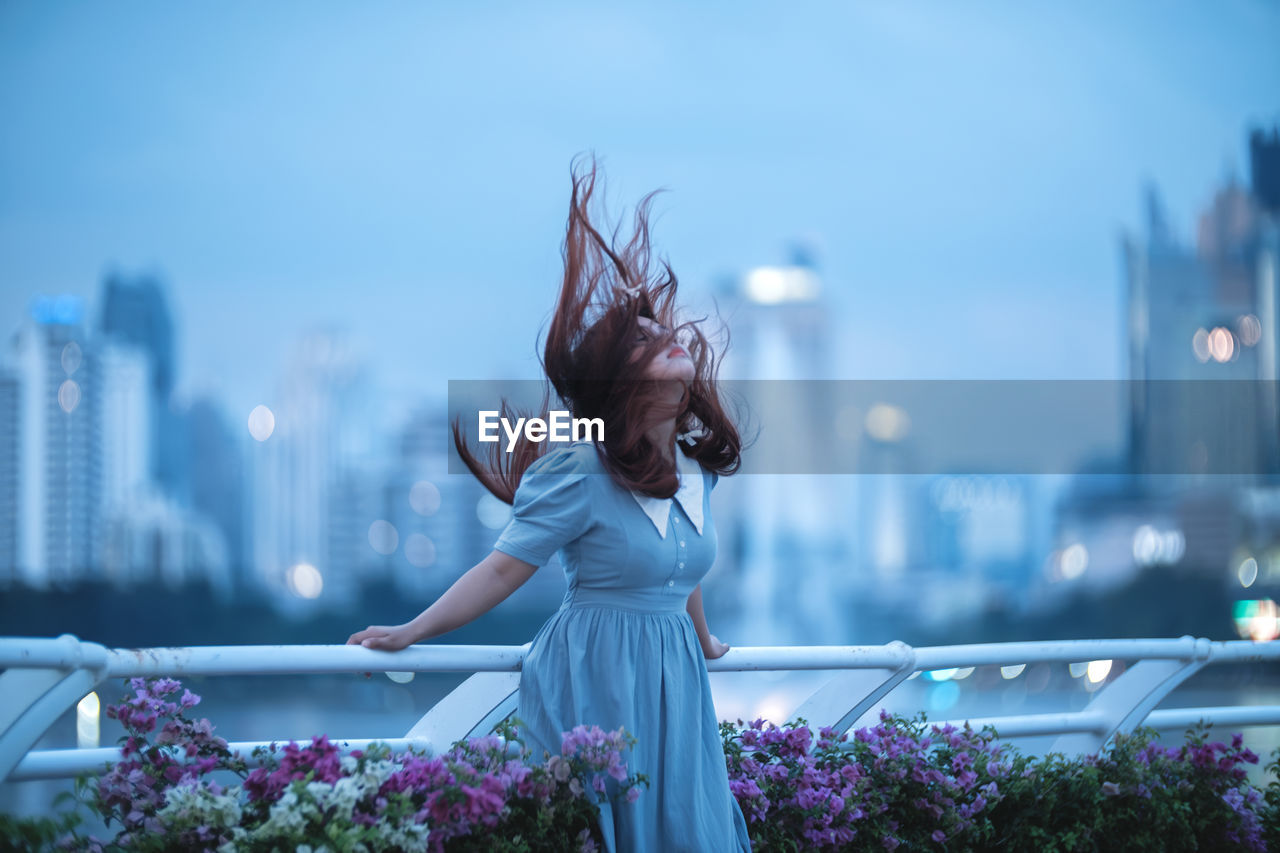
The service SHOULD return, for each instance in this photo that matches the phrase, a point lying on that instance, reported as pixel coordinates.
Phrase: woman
(631, 519)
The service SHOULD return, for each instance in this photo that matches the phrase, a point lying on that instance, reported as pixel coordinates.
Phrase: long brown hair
(589, 361)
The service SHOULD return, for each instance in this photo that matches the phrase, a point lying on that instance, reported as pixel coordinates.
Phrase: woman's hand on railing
(714, 648)
(386, 638)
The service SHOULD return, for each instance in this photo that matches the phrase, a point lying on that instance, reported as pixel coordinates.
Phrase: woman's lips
(675, 351)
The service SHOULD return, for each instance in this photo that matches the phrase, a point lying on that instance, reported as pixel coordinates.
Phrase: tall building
(784, 542)
(58, 436)
(1202, 314)
(1201, 325)
(307, 492)
(126, 422)
(1264, 170)
(9, 461)
(217, 481)
(134, 311)
(446, 522)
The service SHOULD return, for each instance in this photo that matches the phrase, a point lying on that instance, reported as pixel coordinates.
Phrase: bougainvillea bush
(483, 794)
(899, 785)
(905, 785)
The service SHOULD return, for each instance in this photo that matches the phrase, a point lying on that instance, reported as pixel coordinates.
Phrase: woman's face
(674, 363)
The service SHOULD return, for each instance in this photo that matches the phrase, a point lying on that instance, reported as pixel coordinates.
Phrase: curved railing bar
(44, 677)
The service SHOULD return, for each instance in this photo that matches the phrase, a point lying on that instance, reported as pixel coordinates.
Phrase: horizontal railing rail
(44, 677)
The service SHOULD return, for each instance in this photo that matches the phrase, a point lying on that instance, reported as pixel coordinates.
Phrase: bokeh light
(887, 423)
(424, 497)
(383, 537)
(88, 721)
(774, 285)
(1256, 619)
(1200, 345)
(773, 707)
(69, 396)
(1073, 560)
(1247, 572)
(1152, 546)
(1222, 344)
(1098, 669)
(304, 580)
(1250, 329)
(262, 422)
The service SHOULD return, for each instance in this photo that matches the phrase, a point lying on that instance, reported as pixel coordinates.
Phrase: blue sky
(400, 170)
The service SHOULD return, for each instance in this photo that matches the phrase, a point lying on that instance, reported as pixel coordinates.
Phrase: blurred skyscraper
(150, 530)
(1194, 316)
(315, 480)
(789, 540)
(79, 499)
(216, 480)
(447, 522)
(134, 311)
(1207, 313)
(9, 461)
(55, 466)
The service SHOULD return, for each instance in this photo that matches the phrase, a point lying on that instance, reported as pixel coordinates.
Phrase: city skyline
(281, 192)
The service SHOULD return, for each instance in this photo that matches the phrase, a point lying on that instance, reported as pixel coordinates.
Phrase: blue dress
(622, 649)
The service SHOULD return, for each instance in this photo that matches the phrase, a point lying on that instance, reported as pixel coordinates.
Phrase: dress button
(671, 583)
(677, 519)
(681, 543)
(682, 565)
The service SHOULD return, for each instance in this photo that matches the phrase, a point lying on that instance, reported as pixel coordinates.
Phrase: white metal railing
(44, 677)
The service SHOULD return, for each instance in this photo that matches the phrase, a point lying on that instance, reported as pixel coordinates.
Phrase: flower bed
(901, 784)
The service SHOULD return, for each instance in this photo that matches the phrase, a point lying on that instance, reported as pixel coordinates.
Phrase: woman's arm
(712, 648)
(486, 585)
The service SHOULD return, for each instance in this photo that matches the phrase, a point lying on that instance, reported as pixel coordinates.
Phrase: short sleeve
(551, 508)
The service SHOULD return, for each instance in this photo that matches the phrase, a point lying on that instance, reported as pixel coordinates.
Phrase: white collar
(689, 472)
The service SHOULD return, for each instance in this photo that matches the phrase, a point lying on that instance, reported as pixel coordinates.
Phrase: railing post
(36, 697)
(493, 694)
(869, 686)
(1125, 703)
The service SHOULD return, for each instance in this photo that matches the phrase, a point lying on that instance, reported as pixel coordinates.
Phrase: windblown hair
(589, 361)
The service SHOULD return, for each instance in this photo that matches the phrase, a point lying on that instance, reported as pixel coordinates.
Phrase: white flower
(347, 793)
(288, 815)
(406, 836)
(195, 804)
